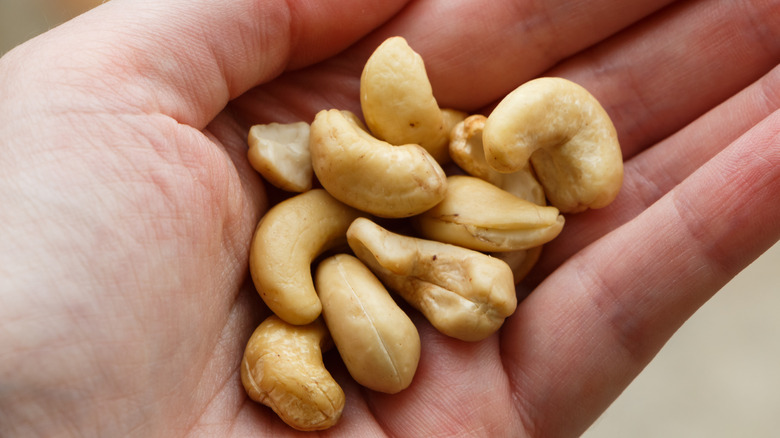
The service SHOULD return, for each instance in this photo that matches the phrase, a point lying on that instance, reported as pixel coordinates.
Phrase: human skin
(128, 204)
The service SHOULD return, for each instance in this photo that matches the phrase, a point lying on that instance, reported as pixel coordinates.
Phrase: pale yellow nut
(280, 153)
(377, 341)
(282, 368)
(397, 99)
(467, 152)
(521, 262)
(452, 118)
(465, 294)
(287, 239)
(567, 136)
(478, 215)
(372, 175)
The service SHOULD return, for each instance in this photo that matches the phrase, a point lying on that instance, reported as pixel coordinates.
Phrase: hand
(128, 204)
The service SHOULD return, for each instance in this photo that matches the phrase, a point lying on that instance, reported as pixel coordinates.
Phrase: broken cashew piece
(478, 215)
(567, 136)
(465, 294)
(397, 99)
(467, 152)
(280, 153)
(282, 368)
(372, 175)
(377, 341)
(287, 239)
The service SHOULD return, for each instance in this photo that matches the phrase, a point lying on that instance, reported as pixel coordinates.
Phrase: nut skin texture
(478, 215)
(282, 368)
(372, 175)
(568, 138)
(464, 294)
(280, 153)
(397, 99)
(377, 341)
(286, 241)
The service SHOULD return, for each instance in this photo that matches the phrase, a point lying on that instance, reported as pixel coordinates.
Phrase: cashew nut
(377, 341)
(282, 368)
(567, 136)
(521, 262)
(397, 99)
(287, 239)
(372, 175)
(463, 293)
(478, 215)
(280, 152)
(467, 152)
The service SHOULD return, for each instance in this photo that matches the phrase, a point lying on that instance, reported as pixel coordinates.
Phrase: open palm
(128, 204)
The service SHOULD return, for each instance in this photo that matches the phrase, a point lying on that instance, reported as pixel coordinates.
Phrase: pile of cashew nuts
(324, 259)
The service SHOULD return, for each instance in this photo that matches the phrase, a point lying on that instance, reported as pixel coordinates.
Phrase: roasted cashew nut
(372, 175)
(280, 153)
(397, 99)
(567, 136)
(282, 368)
(463, 293)
(377, 341)
(478, 215)
(467, 152)
(521, 261)
(287, 239)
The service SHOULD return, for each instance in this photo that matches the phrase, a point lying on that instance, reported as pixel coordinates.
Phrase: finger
(186, 59)
(579, 339)
(481, 50)
(459, 389)
(661, 75)
(654, 172)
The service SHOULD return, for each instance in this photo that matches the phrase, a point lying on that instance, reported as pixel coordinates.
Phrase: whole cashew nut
(282, 368)
(397, 99)
(467, 152)
(465, 294)
(568, 137)
(377, 341)
(478, 215)
(372, 175)
(280, 153)
(287, 239)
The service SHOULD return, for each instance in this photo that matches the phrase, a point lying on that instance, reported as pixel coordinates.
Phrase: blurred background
(719, 376)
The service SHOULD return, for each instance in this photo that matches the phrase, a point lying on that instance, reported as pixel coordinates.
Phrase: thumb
(187, 58)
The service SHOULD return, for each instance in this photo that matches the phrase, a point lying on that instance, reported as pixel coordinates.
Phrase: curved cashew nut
(280, 153)
(377, 341)
(282, 368)
(372, 175)
(397, 99)
(287, 239)
(467, 152)
(463, 293)
(568, 137)
(478, 215)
